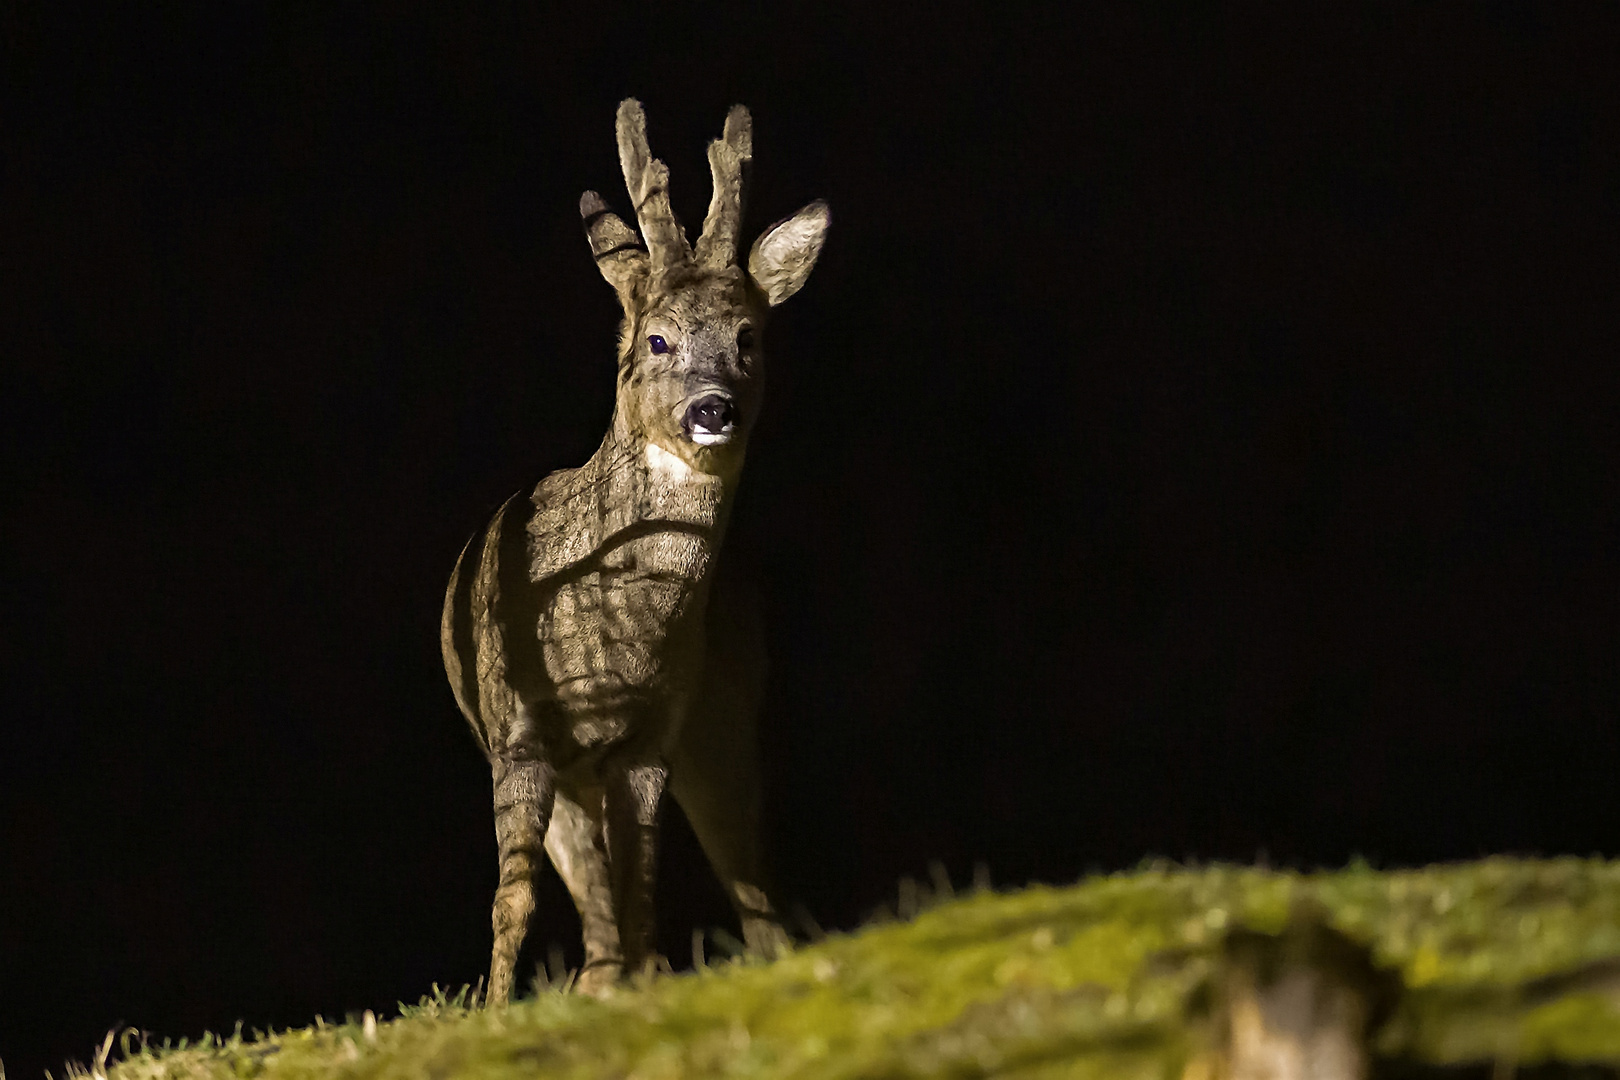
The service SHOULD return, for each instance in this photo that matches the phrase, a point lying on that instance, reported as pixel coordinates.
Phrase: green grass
(1099, 979)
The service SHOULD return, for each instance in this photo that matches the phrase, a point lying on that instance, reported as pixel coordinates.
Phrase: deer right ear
(784, 255)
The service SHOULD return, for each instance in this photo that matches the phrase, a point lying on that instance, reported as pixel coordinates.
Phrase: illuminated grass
(1097, 979)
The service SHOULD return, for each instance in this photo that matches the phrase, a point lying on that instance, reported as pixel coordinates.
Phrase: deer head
(690, 362)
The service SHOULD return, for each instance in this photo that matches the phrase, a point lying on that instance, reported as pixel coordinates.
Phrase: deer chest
(622, 641)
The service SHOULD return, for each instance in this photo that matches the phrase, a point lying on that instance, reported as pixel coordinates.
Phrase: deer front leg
(715, 766)
(722, 806)
(523, 796)
(634, 790)
(575, 843)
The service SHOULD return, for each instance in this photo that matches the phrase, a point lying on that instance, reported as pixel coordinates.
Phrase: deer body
(590, 642)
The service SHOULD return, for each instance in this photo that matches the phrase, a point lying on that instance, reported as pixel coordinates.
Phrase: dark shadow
(1406, 1070)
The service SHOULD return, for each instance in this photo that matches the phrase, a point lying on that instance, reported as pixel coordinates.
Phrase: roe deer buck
(583, 634)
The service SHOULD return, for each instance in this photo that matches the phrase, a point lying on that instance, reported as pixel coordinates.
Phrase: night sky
(1198, 439)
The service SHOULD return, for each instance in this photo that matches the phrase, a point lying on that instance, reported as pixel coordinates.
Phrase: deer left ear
(784, 254)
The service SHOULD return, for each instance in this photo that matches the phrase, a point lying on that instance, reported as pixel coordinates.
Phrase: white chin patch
(711, 438)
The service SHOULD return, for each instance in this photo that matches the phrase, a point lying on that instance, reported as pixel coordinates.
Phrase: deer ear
(784, 254)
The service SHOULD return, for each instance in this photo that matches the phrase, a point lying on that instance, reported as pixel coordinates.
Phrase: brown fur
(1301, 1005)
(589, 641)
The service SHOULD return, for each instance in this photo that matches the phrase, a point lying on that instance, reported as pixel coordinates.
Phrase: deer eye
(745, 338)
(658, 344)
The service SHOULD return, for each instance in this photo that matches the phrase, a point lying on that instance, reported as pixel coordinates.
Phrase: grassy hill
(1507, 961)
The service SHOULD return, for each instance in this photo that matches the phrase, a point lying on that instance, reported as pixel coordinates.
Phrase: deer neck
(629, 489)
(658, 485)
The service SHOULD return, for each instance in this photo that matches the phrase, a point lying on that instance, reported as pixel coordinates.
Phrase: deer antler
(615, 245)
(647, 179)
(717, 247)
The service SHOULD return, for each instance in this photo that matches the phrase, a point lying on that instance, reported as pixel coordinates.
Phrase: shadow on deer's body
(584, 635)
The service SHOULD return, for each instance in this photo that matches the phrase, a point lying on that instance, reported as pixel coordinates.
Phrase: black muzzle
(711, 419)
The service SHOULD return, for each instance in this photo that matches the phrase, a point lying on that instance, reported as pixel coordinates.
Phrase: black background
(1198, 439)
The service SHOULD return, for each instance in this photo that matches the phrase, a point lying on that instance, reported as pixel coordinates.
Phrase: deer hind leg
(633, 791)
(523, 796)
(577, 848)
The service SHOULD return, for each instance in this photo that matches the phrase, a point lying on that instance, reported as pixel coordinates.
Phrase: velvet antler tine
(634, 154)
(647, 180)
(615, 245)
(606, 231)
(717, 247)
(739, 132)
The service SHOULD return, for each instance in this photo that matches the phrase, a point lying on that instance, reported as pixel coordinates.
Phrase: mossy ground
(1099, 979)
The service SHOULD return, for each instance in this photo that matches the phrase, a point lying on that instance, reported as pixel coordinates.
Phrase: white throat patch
(666, 464)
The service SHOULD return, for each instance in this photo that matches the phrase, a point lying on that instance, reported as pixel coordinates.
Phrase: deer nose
(711, 419)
